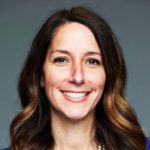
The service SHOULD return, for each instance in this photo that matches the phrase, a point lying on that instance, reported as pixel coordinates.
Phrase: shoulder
(148, 143)
(5, 149)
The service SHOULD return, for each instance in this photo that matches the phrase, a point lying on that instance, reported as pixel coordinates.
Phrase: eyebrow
(59, 51)
(67, 52)
(93, 53)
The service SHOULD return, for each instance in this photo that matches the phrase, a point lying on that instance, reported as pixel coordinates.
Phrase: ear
(42, 84)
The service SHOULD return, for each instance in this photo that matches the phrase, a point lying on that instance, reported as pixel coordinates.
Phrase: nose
(77, 74)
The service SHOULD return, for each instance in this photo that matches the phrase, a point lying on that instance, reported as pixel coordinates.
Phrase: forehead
(74, 35)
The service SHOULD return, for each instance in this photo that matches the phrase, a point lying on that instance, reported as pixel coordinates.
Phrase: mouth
(75, 96)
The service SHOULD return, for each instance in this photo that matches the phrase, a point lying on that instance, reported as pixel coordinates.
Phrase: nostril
(77, 75)
(76, 82)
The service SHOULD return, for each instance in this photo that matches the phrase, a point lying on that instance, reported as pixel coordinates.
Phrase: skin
(73, 65)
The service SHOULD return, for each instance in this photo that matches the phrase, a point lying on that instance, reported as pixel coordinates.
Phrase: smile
(76, 96)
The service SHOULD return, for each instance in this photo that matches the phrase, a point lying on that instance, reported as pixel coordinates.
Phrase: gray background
(21, 19)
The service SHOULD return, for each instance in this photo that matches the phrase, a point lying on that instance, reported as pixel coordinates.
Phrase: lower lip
(76, 100)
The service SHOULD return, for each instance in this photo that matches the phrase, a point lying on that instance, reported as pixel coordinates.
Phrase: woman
(72, 89)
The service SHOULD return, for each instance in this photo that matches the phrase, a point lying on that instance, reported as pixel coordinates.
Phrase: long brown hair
(116, 123)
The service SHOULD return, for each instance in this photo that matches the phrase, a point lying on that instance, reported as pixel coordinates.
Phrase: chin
(78, 115)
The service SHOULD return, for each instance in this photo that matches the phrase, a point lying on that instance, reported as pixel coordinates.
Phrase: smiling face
(74, 75)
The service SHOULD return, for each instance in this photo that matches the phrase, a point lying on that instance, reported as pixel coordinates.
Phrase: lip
(79, 100)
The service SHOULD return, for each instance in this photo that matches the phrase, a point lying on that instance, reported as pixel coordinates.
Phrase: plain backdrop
(21, 19)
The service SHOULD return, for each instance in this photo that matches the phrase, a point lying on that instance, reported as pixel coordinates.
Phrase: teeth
(75, 95)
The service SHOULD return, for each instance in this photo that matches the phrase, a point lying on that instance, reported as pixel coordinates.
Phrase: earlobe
(42, 82)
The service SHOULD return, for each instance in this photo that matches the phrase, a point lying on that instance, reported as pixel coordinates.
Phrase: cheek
(52, 81)
(97, 79)
(54, 76)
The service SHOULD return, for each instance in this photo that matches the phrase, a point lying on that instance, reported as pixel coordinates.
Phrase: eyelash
(93, 61)
(60, 60)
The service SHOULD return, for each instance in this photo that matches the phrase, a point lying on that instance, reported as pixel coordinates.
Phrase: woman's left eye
(93, 62)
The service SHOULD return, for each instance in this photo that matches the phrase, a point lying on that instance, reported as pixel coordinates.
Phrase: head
(110, 51)
(73, 72)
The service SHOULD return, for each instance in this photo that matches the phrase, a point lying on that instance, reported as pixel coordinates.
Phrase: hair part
(117, 126)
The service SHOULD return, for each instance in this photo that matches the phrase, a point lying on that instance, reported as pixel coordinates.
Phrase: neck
(73, 134)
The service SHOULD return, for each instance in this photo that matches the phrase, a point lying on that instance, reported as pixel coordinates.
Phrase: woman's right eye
(60, 60)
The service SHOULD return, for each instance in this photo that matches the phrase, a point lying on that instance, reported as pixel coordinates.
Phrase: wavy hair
(116, 123)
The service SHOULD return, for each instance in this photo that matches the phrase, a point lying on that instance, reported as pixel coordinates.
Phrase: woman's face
(74, 75)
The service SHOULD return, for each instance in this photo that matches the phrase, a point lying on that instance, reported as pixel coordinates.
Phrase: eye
(60, 60)
(93, 61)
